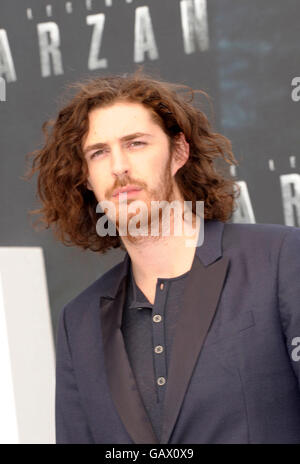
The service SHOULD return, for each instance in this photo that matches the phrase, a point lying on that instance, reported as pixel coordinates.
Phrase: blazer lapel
(121, 380)
(202, 292)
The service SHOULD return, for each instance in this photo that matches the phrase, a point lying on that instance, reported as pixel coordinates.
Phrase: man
(175, 344)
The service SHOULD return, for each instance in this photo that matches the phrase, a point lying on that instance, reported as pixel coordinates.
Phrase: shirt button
(158, 349)
(161, 380)
(157, 318)
(161, 286)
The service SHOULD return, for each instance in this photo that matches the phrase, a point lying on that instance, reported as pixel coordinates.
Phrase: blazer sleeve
(70, 419)
(289, 295)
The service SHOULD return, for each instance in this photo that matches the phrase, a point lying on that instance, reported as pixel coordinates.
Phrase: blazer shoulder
(93, 292)
(267, 235)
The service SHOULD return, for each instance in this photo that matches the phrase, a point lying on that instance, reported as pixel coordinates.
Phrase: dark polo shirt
(148, 334)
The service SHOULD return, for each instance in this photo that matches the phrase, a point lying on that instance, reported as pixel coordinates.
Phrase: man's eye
(138, 142)
(98, 152)
(101, 151)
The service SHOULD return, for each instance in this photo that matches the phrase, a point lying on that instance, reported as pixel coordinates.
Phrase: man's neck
(163, 257)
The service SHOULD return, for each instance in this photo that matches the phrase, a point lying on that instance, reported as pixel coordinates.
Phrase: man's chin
(138, 239)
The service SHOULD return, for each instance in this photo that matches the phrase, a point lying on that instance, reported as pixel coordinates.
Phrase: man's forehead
(117, 121)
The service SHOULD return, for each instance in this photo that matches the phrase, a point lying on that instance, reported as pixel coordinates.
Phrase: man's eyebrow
(125, 138)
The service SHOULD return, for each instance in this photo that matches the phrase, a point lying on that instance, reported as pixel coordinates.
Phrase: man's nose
(119, 162)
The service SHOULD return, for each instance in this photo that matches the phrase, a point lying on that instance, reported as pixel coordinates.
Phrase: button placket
(159, 341)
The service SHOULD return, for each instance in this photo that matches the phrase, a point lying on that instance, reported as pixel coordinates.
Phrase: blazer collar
(201, 295)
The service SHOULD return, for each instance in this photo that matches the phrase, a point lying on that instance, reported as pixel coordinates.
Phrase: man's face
(131, 150)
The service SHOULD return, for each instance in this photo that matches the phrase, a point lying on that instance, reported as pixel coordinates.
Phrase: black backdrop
(243, 53)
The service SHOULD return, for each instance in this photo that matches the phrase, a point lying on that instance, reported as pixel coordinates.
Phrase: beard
(148, 218)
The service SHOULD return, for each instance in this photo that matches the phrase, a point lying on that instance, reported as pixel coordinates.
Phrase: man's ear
(181, 152)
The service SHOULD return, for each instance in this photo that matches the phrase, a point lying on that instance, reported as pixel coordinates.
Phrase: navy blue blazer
(234, 373)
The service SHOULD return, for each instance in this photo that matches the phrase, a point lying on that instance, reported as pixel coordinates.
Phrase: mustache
(124, 183)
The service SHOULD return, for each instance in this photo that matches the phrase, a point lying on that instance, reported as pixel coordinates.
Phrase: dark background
(252, 57)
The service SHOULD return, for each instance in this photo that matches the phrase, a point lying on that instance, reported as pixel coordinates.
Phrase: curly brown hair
(70, 207)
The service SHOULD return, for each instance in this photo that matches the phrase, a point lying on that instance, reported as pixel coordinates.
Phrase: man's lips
(128, 191)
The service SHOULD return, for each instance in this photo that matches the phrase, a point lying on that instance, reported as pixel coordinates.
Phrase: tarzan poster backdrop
(244, 53)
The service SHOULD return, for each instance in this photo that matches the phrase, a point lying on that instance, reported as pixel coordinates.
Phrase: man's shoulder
(93, 292)
(271, 249)
(249, 235)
